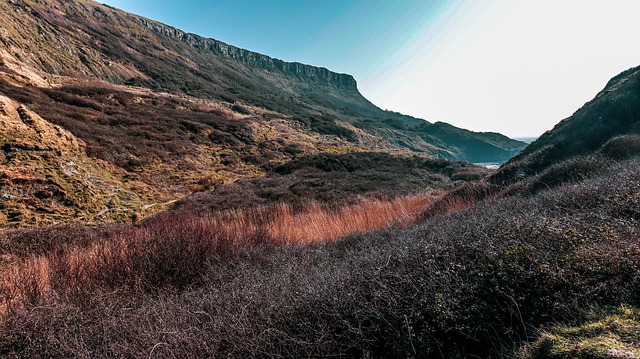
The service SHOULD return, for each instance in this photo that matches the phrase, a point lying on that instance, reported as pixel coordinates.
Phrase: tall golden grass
(172, 250)
(317, 223)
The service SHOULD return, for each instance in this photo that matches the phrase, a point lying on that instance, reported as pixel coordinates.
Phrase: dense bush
(622, 148)
(333, 179)
(479, 281)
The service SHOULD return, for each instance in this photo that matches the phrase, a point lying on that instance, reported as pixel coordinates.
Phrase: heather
(478, 281)
(335, 180)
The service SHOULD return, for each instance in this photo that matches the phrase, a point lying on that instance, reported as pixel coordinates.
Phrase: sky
(516, 67)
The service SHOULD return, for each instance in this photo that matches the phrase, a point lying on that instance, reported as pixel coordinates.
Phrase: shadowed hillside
(615, 111)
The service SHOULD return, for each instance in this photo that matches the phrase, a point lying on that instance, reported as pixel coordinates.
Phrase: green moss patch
(607, 335)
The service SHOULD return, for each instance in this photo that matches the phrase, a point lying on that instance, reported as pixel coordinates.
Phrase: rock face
(613, 112)
(302, 72)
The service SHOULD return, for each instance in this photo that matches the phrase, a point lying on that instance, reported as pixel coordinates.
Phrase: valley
(167, 195)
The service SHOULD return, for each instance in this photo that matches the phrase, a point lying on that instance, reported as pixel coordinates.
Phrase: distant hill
(526, 139)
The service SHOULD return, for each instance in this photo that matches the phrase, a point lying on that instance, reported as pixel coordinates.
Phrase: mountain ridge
(317, 74)
(96, 40)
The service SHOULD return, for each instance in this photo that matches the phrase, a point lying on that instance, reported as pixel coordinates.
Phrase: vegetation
(154, 254)
(606, 335)
(622, 147)
(335, 180)
(479, 281)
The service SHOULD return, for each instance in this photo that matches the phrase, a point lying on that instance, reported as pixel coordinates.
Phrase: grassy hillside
(136, 151)
(46, 175)
(615, 111)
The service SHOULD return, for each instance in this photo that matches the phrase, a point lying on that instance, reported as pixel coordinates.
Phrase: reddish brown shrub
(171, 250)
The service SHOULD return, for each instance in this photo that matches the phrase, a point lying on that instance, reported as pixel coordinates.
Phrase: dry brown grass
(170, 251)
(317, 223)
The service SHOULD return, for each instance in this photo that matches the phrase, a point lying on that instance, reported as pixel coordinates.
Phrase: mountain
(594, 128)
(83, 38)
(163, 113)
(468, 145)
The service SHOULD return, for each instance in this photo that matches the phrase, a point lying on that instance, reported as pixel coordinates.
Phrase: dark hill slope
(475, 147)
(615, 111)
(334, 180)
(82, 38)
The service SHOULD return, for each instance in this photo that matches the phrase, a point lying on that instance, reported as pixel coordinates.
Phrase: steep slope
(467, 145)
(158, 146)
(615, 111)
(83, 38)
(46, 176)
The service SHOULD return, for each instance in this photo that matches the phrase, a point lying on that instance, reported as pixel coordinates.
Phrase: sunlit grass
(172, 250)
(607, 335)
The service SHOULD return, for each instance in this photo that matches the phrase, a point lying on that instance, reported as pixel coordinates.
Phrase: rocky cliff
(296, 70)
(97, 40)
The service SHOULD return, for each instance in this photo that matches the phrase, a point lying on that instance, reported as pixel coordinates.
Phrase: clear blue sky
(510, 66)
(343, 35)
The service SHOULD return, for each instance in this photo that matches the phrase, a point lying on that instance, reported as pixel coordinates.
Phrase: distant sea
(489, 165)
(495, 165)
(526, 139)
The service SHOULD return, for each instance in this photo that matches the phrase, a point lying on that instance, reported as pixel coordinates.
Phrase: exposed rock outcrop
(302, 72)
